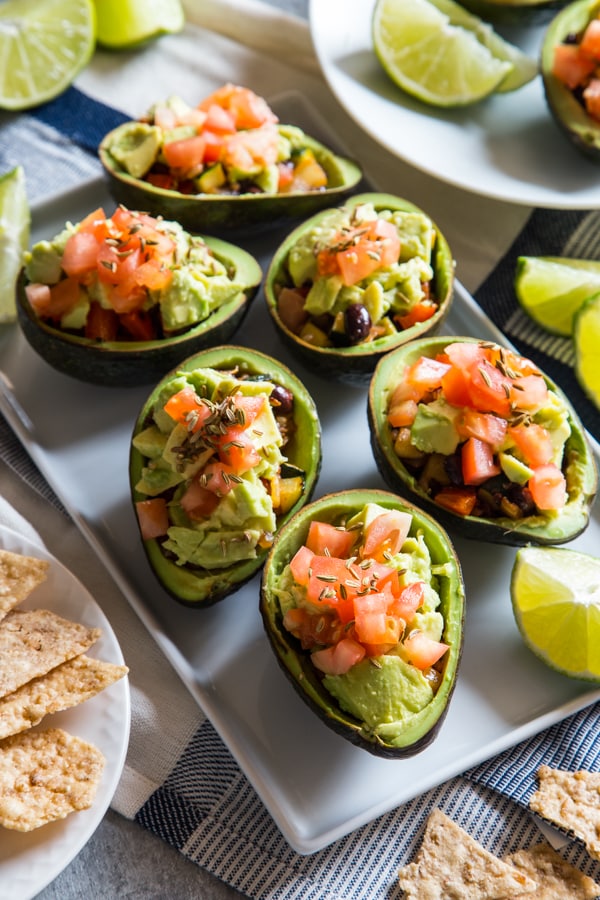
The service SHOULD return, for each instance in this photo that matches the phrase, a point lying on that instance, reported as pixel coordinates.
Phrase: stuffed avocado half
(483, 440)
(120, 299)
(353, 282)
(362, 600)
(225, 449)
(222, 164)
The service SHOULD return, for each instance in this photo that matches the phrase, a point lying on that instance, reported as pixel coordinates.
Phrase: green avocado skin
(295, 663)
(575, 124)
(199, 588)
(128, 364)
(581, 471)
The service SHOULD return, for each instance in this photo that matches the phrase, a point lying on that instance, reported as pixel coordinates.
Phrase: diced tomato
(63, 297)
(153, 275)
(286, 176)
(219, 120)
(290, 306)
(548, 487)
(590, 41)
(591, 97)
(325, 539)
(372, 623)
(477, 460)
(139, 325)
(39, 297)
(249, 110)
(340, 658)
(187, 408)
(407, 603)
(571, 66)
(457, 500)
(484, 426)
(463, 354)
(252, 406)
(101, 324)
(403, 413)
(358, 254)
(426, 374)
(300, 565)
(153, 517)
(489, 389)
(249, 151)
(422, 651)
(216, 477)
(80, 253)
(420, 312)
(161, 180)
(313, 630)
(237, 450)
(404, 390)
(331, 583)
(533, 442)
(455, 386)
(529, 392)
(386, 533)
(198, 502)
(95, 223)
(186, 155)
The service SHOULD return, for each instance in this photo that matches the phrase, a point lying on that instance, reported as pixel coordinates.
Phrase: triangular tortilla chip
(32, 642)
(19, 575)
(65, 686)
(570, 800)
(556, 878)
(44, 776)
(452, 864)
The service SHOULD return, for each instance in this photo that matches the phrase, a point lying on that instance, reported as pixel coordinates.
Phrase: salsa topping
(360, 274)
(230, 143)
(576, 64)
(482, 432)
(215, 477)
(130, 277)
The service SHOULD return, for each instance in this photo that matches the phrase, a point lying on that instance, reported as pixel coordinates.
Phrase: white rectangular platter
(316, 786)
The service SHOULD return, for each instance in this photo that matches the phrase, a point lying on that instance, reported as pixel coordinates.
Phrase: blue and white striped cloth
(205, 807)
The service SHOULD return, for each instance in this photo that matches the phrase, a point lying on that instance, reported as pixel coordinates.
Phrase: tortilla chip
(570, 800)
(67, 685)
(32, 642)
(451, 864)
(44, 776)
(556, 878)
(19, 575)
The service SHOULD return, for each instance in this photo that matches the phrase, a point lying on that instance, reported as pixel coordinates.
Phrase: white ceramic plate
(507, 147)
(316, 786)
(30, 861)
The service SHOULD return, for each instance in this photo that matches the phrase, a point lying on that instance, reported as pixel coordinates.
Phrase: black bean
(357, 322)
(282, 399)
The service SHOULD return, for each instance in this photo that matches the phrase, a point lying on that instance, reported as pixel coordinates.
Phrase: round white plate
(507, 147)
(30, 861)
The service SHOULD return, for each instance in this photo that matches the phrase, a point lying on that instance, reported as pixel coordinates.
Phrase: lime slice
(586, 336)
(524, 68)
(551, 289)
(14, 237)
(555, 595)
(430, 57)
(122, 24)
(44, 44)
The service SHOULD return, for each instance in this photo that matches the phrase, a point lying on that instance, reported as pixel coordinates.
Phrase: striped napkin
(203, 804)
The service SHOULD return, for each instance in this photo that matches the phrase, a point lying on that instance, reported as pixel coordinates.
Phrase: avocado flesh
(354, 364)
(398, 738)
(581, 129)
(193, 585)
(579, 465)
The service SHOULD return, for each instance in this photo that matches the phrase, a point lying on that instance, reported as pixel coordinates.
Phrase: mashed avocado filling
(220, 508)
(386, 691)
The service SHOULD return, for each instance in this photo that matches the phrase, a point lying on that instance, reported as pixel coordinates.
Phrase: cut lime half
(555, 595)
(586, 336)
(551, 289)
(44, 44)
(14, 237)
(436, 51)
(122, 24)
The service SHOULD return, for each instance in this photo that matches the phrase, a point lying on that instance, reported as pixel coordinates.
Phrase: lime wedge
(551, 289)
(524, 68)
(555, 595)
(14, 237)
(434, 52)
(122, 24)
(586, 336)
(44, 44)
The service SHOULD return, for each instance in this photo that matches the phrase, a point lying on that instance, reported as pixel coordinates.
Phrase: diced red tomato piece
(420, 312)
(372, 622)
(463, 354)
(340, 658)
(426, 374)
(216, 477)
(186, 155)
(374, 246)
(386, 533)
(153, 517)
(489, 389)
(237, 451)
(533, 442)
(95, 223)
(477, 460)
(250, 150)
(39, 297)
(422, 651)
(548, 487)
(407, 603)
(457, 500)
(198, 502)
(591, 97)
(403, 413)
(63, 297)
(313, 630)
(219, 120)
(248, 109)
(101, 324)
(252, 406)
(571, 66)
(139, 325)
(484, 426)
(529, 392)
(80, 253)
(324, 538)
(455, 386)
(161, 180)
(590, 41)
(187, 408)
(300, 565)
(331, 583)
